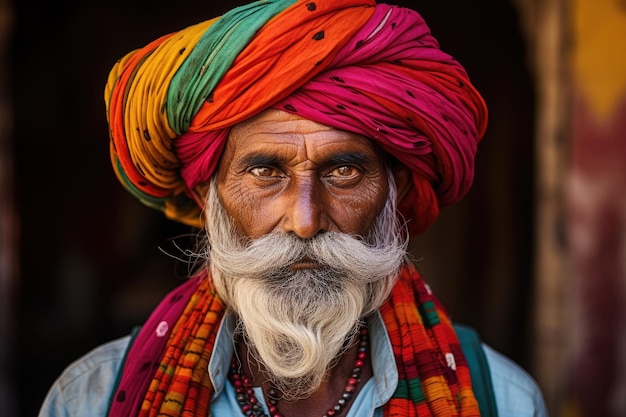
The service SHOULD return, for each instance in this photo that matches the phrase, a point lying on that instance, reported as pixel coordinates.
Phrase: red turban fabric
(351, 64)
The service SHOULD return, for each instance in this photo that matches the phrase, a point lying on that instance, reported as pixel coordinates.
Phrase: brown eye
(344, 176)
(344, 171)
(264, 172)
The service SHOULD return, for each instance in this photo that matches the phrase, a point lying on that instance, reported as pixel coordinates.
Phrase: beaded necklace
(250, 406)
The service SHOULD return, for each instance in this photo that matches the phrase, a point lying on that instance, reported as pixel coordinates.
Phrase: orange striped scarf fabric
(434, 377)
(166, 371)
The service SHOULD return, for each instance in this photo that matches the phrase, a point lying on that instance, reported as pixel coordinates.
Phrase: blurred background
(534, 257)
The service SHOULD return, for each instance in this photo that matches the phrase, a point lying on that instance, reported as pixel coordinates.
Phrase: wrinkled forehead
(277, 131)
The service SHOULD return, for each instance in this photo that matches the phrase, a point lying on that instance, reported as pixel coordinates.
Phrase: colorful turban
(351, 64)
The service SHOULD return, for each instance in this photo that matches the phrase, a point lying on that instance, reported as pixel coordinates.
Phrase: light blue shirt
(85, 387)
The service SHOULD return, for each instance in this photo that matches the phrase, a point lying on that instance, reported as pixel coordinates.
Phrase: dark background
(92, 258)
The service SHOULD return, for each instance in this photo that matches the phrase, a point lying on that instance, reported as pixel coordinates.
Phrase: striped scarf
(166, 369)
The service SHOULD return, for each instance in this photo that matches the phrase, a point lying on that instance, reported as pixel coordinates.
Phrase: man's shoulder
(87, 383)
(104, 359)
(516, 392)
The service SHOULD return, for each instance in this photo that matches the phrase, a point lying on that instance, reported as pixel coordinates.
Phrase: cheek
(251, 217)
(235, 202)
(357, 214)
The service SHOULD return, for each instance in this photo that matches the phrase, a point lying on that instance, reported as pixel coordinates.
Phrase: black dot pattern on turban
(370, 69)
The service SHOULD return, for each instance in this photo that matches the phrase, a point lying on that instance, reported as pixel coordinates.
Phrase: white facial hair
(297, 322)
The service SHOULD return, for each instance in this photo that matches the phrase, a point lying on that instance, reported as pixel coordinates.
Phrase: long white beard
(297, 321)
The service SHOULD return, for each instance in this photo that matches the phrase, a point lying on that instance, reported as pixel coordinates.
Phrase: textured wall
(596, 218)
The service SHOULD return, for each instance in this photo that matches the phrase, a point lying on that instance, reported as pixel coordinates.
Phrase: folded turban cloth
(351, 64)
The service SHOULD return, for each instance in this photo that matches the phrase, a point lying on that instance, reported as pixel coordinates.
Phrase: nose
(306, 214)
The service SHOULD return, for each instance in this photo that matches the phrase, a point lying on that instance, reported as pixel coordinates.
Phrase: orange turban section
(351, 64)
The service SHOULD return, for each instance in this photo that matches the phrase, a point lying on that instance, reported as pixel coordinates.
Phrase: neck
(325, 396)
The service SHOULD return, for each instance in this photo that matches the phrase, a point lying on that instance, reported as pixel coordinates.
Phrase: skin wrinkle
(302, 194)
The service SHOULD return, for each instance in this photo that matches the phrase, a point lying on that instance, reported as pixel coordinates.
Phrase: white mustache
(271, 256)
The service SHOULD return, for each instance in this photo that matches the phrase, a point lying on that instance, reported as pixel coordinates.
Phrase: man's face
(282, 173)
(324, 245)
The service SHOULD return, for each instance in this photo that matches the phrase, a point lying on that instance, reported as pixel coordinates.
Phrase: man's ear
(403, 178)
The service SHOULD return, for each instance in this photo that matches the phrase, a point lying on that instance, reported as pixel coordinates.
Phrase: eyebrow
(261, 159)
(265, 159)
(348, 158)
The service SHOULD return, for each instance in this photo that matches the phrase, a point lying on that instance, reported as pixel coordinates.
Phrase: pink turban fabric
(351, 64)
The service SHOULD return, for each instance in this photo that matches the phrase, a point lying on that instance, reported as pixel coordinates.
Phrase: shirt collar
(383, 360)
(223, 349)
(383, 363)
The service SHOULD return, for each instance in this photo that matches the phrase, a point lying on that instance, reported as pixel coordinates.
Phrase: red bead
(250, 404)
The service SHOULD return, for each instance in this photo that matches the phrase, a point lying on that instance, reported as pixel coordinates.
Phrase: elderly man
(310, 140)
